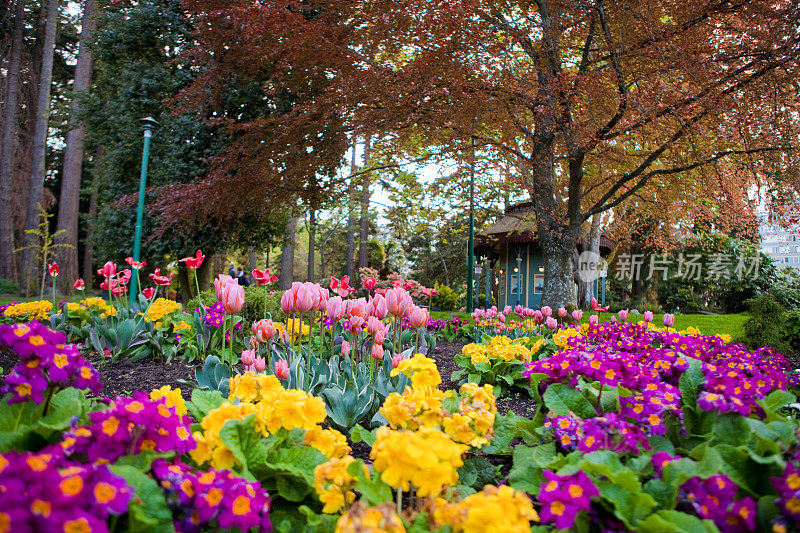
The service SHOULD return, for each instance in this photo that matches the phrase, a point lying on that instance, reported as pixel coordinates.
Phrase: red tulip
(369, 283)
(125, 276)
(137, 265)
(193, 262)
(263, 277)
(108, 270)
(281, 369)
(148, 292)
(79, 284)
(158, 279)
(52, 269)
(342, 287)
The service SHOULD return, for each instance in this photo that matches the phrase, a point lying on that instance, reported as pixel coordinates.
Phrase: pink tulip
(345, 348)
(374, 325)
(287, 305)
(577, 315)
(232, 297)
(562, 312)
(398, 302)
(357, 308)
(547, 311)
(220, 283)
(519, 310)
(264, 330)
(377, 351)
(260, 364)
(285, 337)
(594, 319)
(108, 270)
(419, 317)
(623, 315)
(613, 319)
(537, 316)
(336, 308)
(355, 322)
(281, 369)
(648, 316)
(254, 344)
(669, 320)
(248, 357)
(502, 318)
(369, 283)
(380, 336)
(551, 323)
(377, 307)
(396, 358)
(304, 298)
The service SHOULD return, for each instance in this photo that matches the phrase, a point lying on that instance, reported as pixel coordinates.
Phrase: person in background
(232, 271)
(242, 277)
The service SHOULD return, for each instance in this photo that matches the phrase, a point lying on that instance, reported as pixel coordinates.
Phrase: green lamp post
(471, 237)
(148, 124)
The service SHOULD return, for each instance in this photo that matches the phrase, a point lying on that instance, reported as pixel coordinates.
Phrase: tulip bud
(281, 369)
(396, 358)
(551, 322)
(594, 319)
(260, 364)
(577, 315)
(562, 312)
(248, 357)
(380, 337)
(377, 351)
(547, 311)
(345, 348)
(669, 320)
(419, 317)
(648, 316)
(623, 315)
(264, 330)
(285, 337)
(79, 284)
(232, 297)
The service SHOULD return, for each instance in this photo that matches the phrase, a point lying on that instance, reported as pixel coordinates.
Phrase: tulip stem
(399, 500)
(196, 284)
(308, 354)
(416, 343)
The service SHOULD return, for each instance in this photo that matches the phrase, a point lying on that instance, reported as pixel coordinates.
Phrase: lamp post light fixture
(148, 124)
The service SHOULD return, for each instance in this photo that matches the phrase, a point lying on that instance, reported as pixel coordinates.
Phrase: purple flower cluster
(6, 306)
(47, 363)
(568, 430)
(44, 492)
(215, 315)
(563, 497)
(129, 426)
(713, 499)
(199, 498)
(636, 358)
(649, 408)
(788, 488)
(611, 432)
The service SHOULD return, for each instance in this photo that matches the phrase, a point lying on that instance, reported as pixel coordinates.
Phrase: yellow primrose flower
(210, 447)
(37, 310)
(414, 408)
(562, 336)
(174, 398)
(160, 308)
(422, 371)
(182, 326)
(292, 408)
(493, 510)
(329, 441)
(426, 458)
(333, 484)
(362, 519)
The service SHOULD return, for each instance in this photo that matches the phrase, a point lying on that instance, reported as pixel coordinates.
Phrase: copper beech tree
(593, 106)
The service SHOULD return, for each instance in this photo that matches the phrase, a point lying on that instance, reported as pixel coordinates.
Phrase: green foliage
(253, 309)
(213, 376)
(446, 300)
(791, 330)
(765, 325)
(8, 286)
(786, 287)
(147, 510)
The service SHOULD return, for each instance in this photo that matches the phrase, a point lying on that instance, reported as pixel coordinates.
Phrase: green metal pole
(471, 238)
(148, 124)
(488, 295)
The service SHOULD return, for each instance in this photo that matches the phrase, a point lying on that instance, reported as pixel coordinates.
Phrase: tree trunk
(184, 281)
(351, 216)
(363, 246)
(557, 252)
(9, 127)
(287, 254)
(69, 199)
(40, 139)
(88, 248)
(312, 243)
(251, 257)
(205, 273)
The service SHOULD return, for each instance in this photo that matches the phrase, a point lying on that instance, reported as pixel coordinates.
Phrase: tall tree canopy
(592, 105)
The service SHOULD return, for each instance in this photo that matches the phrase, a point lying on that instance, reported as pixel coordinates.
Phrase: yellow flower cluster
(174, 398)
(330, 442)
(362, 519)
(38, 310)
(182, 326)
(474, 422)
(333, 484)
(274, 408)
(421, 405)
(426, 458)
(98, 304)
(422, 371)
(493, 510)
(562, 336)
(160, 308)
(501, 347)
(295, 328)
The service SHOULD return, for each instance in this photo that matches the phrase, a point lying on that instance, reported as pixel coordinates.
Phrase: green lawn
(709, 324)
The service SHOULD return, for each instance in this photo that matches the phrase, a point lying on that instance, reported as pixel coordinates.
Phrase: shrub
(765, 327)
(446, 300)
(785, 287)
(792, 330)
(8, 286)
